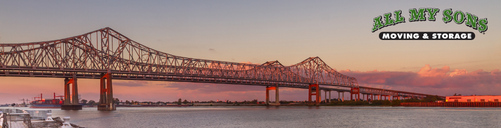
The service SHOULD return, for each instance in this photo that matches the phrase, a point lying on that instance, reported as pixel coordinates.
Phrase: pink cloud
(427, 71)
(443, 79)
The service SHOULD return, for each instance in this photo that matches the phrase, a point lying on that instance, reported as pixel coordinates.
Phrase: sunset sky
(259, 31)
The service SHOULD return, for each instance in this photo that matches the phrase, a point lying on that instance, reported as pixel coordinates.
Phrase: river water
(284, 116)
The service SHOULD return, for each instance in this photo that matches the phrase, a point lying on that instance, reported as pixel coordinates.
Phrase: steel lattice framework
(107, 51)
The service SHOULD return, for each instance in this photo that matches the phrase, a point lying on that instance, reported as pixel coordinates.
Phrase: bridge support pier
(329, 96)
(342, 97)
(355, 91)
(71, 95)
(317, 93)
(106, 94)
(277, 101)
(327, 100)
(338, 96)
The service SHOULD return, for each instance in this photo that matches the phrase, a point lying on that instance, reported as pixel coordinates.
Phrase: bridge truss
(105, 51)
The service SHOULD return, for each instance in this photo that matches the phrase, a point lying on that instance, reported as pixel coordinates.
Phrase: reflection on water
(285, 116)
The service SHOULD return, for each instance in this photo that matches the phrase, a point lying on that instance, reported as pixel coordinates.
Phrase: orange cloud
(427, 71)
(458, 72)
(434, 79)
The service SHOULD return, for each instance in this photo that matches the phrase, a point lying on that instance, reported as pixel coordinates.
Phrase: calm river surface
(284, 116)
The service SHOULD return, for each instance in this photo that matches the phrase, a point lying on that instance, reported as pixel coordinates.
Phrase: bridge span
(106, 54)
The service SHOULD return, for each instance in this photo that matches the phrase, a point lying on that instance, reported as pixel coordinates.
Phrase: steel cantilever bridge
(106, 54)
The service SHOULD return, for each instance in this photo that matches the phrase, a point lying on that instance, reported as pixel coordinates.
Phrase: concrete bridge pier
(342, 97)
(327, 100)
(338, 96)
(325, 94)
(268, 88)
(106, 94)
(357, 97)
(71, 95)
(330, 96)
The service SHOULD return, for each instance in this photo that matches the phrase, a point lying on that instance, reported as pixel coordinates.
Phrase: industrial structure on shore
(473, 98)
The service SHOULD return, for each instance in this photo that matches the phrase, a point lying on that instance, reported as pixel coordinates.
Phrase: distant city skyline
(259, 31)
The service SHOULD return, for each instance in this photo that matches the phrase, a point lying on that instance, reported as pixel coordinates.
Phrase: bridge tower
(315, 92)
(277, 101)
(106, 94)
(355, 91)
(71, 101)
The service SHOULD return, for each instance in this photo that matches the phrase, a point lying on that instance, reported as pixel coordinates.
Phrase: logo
(429, 14)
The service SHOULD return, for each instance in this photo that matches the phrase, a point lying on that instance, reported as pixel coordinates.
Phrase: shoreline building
(473, 98)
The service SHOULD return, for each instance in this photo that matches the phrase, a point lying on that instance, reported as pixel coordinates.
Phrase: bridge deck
(108, 51)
